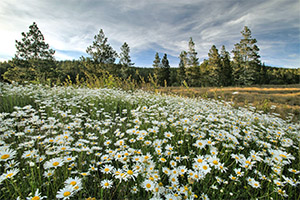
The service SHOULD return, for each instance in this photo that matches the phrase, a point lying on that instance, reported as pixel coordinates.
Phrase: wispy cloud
(164, 26)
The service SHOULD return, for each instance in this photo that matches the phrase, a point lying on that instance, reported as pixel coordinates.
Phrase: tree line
(34, 62)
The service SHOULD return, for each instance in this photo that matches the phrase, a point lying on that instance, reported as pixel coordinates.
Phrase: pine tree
(125, 59)
(33, 60)
(164, 75)
(101, 51)
(33, 45)
(214, 64)
(193, 61)
(181, 72)
(156, 61)
(226, 69)
(192, 70)
(263, 79)
(156, 64)
(246, 59)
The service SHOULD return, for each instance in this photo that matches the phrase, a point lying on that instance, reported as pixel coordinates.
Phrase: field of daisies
(81, 143)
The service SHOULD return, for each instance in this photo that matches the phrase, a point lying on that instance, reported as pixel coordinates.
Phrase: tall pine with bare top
(246, 60)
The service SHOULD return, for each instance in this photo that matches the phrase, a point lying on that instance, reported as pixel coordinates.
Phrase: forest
(34, 62)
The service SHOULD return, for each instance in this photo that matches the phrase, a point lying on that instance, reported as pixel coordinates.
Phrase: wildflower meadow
(81, 143)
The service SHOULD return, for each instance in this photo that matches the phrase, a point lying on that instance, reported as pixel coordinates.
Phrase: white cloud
(163, 26)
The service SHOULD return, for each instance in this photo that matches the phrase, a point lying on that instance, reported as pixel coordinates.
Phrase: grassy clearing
(283, 100)
(81, 143)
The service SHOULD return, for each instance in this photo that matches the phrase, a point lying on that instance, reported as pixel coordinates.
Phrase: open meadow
(283, 100)
(80, 143)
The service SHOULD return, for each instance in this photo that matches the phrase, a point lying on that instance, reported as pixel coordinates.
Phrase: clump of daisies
(81, 143)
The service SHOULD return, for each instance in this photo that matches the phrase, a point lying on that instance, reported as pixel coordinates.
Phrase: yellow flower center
(55, 163)
(67, 193)
(282, 155)
(106, 184)
(199, 160)
(35, 198)
(73, 183)
(215, 162)
(148, 185)
(5, 156)
(9, 175)
(130, 172)
(205, 167)
(106, 169)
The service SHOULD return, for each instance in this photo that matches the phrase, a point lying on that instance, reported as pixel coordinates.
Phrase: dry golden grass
(281, 99)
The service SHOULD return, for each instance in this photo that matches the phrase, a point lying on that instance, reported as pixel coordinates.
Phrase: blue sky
(163, 26)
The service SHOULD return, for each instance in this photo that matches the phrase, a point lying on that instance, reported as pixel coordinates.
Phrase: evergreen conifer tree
(192, 70)
(100, 51)
(33, 45)
(214, 64)
(156, 65)
(181, 72)
(246, 59)
(193, 61)
(226, 69)
(33, 61)
(125, 59)
(164, 74)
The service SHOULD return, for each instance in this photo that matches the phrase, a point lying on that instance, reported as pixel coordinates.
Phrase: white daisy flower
(148, 185)
(66, 192)
(54, 163)
(106, 183)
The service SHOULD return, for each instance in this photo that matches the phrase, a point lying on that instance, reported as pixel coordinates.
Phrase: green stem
(16, 188)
